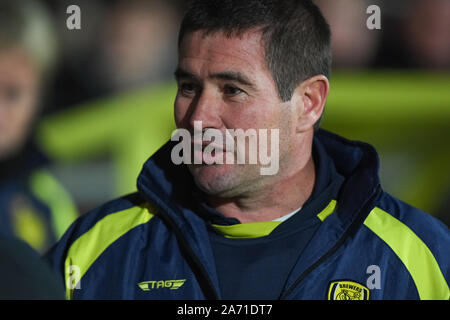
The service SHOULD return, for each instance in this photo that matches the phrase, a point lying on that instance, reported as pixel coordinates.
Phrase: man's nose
(207, 110)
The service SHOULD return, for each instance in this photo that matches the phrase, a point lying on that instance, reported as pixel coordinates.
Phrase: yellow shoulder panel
(413, 252)
(87, 248)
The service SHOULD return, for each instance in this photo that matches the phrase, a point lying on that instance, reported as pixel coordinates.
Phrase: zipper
(352, 228)
(197, 267)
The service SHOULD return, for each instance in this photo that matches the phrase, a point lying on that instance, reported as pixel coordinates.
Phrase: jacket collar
(358, 162)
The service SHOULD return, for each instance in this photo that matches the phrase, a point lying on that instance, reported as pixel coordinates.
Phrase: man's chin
(212, 179)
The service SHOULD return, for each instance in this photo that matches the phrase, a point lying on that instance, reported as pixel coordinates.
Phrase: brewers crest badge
(347, 290)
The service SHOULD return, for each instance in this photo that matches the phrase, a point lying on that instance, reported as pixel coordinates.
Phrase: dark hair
(295, 35)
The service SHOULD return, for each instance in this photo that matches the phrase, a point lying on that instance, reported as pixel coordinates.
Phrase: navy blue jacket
(34, 206)
(152, 245)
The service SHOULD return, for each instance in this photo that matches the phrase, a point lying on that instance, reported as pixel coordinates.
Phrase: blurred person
(416, 35)
(33, 205)
(353, 44)
(321, 227)
(115, 68)
(136, 41)
(122, 45)
(426, 29)
(73, 81)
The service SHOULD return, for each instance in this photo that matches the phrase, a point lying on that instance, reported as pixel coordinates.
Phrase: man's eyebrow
(180, 73)
(233, 76)
(225, 75)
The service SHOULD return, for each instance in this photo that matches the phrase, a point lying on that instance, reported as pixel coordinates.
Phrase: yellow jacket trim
(87, 248)
(329, 209)
(262, 228)
(248, 230)
(413, 252)
(47, 189)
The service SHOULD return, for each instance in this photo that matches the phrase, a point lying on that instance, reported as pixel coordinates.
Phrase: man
(34, 206)
(319, 227)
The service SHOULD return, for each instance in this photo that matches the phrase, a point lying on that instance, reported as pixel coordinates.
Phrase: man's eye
(187, 88)
(231, 90)
(13, 93)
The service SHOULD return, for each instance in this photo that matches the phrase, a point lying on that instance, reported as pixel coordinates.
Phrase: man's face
(224, 82)
(18, 99)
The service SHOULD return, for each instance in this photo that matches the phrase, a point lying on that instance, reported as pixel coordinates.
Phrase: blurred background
(81, 110)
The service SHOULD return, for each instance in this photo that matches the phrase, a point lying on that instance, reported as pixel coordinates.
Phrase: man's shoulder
(109, 211)
(94, 232)
(399, 221)
(117, 216)
(418, 240)
(421, 223)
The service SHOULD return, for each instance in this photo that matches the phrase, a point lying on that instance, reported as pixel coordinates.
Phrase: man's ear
(309, 99)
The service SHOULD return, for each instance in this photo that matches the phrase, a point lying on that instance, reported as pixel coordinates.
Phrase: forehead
(243, 51)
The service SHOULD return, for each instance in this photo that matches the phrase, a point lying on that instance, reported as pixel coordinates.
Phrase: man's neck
(272, 201)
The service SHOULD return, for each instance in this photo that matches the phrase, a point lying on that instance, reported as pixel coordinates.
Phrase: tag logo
(347, 290)
(169, 284)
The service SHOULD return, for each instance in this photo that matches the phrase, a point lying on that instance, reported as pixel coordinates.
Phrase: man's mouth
(208, 152)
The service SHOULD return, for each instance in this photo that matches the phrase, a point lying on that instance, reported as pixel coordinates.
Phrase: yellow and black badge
(347, 290)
